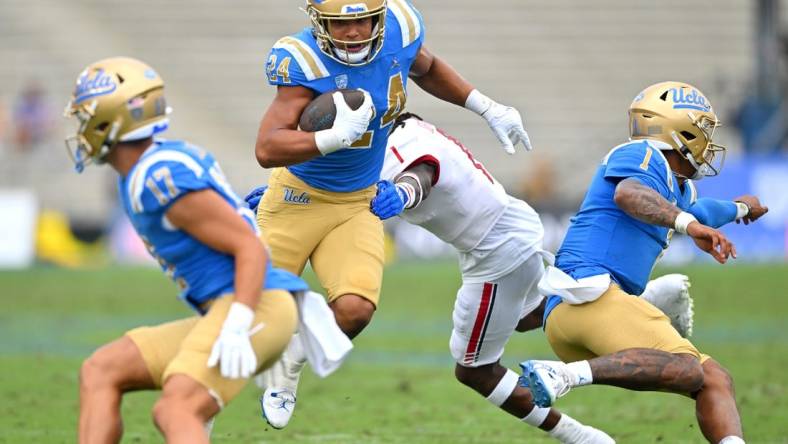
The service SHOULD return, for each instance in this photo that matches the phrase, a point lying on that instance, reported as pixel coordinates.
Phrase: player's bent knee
(352, 313)
(687, 373)
(717, 377)
(483, 379)
(467, 376)
(101, 370)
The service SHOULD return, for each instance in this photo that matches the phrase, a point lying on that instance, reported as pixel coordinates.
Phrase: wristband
(328, 141)
(742, 209)
(410, 193)
(416, 193)
(478, 102)
(682, 222)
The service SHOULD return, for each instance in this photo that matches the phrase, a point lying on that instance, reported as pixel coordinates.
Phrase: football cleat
(280, 382)
(547, 380)
(670, 293)
(277, 406)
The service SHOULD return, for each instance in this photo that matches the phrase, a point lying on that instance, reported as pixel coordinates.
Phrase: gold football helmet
(118, 99)
(322, 12)
(680, 115)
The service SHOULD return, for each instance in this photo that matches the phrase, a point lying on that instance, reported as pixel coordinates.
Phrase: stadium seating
(571, 67)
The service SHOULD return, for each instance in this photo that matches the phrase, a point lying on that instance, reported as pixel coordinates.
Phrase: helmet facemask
(699, 149)
(79, 149)
(339, 50)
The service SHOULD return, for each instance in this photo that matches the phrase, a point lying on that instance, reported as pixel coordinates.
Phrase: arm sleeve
(639, 162)
(712, 212)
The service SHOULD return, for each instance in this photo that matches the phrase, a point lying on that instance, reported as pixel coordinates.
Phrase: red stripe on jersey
(476, 163)
(478, 326)
(396, 153)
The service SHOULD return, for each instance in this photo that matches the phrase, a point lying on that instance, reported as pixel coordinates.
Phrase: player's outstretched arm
(207, 217)
(716, 213)
(647, 205)
(438, 78)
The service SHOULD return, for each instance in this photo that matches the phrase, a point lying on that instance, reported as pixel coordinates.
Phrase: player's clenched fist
(349, 124)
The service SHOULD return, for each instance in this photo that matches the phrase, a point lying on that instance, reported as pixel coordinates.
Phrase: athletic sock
(581, 370)
(567, 429)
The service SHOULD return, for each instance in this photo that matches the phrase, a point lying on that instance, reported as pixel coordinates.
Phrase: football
(321, 111)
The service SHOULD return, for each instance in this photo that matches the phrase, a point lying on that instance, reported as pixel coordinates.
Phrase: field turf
(398, 386)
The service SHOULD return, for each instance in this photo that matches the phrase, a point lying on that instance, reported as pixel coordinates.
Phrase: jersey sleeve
(642, 163)
(162, 178)
(409, 21)
(292, 62)
(408, 148)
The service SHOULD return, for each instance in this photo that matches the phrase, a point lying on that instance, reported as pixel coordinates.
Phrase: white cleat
(547, 380)
(670, 293)
(280, 382)
(278, 406)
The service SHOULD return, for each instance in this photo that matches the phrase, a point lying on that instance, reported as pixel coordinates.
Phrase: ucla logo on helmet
(98, 85)
(354, 9)
(689, 100)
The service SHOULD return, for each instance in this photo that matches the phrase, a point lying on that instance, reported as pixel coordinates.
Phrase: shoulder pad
(307, 67)
(638, 157)
(409, 19)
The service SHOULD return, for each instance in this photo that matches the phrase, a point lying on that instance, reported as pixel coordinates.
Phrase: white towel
(573, 291)
(325, 345)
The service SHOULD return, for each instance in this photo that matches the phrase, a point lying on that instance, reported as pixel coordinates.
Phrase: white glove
(349, 125)
(233, 347)
(505, 121)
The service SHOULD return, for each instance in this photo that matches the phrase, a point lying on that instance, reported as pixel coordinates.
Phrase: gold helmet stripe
(136, 184)
(307, 59)
(408, 21)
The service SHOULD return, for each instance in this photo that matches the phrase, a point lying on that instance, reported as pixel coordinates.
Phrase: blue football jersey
(602, 238)
(165, 172)
(297, 61)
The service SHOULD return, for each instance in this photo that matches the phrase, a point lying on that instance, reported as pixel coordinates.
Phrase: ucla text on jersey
(167, 171)
(602, 238)
(297, 61)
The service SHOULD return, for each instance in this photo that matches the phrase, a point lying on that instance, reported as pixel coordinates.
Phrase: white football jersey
(465, 201)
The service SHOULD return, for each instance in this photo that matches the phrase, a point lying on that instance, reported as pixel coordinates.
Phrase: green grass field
(398, 385)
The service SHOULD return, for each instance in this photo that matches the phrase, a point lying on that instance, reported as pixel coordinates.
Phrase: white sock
(582, 372)
(732, 440)
(567, 429)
